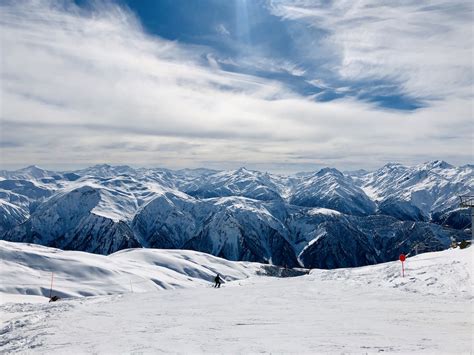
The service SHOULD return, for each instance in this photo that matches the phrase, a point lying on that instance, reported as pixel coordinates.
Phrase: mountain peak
(440, 164)
(34, 171)
(327, 170)
(392, 165)
(103, 166)
(242, 169)
(32, 168)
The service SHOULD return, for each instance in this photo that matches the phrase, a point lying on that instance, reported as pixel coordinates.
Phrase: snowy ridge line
(241, 214)
(447, 273)
(78, 274)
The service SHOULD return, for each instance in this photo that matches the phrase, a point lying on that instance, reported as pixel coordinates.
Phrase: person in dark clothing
(217, 280)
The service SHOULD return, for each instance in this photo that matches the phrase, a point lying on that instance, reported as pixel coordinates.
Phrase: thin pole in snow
(51, 288)
(131, 287)
(402, 259)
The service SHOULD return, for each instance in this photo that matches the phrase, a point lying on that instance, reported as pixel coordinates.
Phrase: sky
(273, 85)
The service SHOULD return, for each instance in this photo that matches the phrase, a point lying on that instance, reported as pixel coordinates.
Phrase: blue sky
(270, 84)
(239, 33)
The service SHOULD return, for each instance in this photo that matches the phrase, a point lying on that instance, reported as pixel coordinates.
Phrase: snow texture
(370, 309)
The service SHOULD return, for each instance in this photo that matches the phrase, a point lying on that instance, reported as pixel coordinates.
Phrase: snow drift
(26, 269)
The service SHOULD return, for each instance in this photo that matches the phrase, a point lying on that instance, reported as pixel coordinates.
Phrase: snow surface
(324, 211)
(360, 310)
(26, 269)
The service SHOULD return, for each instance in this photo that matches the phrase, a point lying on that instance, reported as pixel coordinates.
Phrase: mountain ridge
(327, 218)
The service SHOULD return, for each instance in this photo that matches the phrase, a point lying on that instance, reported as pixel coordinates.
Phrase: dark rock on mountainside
(324, 219)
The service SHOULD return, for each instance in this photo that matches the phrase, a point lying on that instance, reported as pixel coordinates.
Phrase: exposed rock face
(327, 219)
(67, 221)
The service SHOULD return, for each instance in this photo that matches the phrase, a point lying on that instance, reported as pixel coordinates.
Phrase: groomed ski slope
(361, 310)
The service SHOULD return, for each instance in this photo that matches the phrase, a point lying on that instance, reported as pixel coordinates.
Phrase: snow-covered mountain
(324, 219)
(241, 182)
(30, 172)
(68, 221)
(427, 192)
(235, 228)
(332, 189)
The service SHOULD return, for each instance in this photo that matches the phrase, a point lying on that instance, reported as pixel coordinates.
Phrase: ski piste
(367, 309)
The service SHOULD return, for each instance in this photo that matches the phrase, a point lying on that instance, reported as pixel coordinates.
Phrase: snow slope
(25, 269)
(361, 310)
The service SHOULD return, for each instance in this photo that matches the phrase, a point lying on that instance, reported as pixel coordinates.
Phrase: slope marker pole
(51, 288)
(402, 259)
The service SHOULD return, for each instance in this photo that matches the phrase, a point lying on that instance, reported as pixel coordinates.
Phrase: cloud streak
(423, 46)
(77, 85)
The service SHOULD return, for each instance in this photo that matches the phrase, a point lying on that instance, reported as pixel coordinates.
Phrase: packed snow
(359, 310)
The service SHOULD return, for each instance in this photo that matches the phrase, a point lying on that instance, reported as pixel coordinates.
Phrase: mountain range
(323, 219)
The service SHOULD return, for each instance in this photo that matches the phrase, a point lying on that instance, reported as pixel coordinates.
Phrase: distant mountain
(332, 189)
(106, 170)
(30, 172)
(241, 182)
(323, 219)
(427, 192)
(67, 221)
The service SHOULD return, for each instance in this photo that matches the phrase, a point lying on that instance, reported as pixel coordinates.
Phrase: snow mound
(445, 273)
(26, 270)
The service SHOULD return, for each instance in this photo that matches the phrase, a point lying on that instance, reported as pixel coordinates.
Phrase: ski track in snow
(360, 310)
(271, 315)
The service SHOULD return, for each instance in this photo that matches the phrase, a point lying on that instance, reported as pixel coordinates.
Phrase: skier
(54, 299)
(217, 280)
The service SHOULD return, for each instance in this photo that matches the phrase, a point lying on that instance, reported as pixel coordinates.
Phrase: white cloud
(425, 46)
(83, 88)
(220, 28)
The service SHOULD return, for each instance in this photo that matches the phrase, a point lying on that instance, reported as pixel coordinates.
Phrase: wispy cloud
(78, 84)
(426, 47)
(220, 28)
